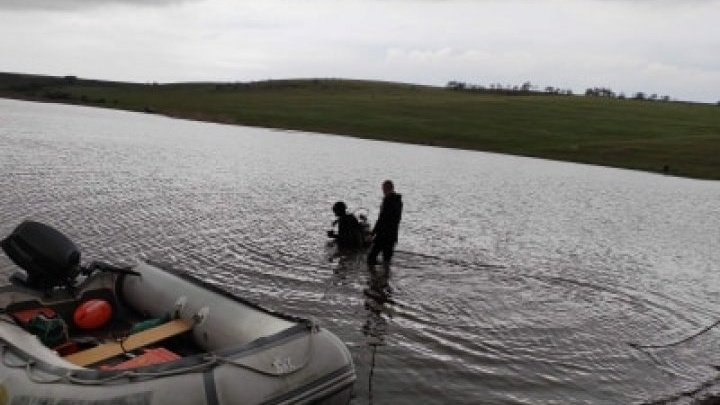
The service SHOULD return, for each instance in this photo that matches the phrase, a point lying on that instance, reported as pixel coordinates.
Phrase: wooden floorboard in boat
(132, 342)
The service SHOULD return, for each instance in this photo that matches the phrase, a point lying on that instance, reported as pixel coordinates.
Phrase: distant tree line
(528, 88)
(609, 93)
(525, 88)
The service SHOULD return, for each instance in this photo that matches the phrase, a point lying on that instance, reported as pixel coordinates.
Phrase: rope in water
(683, 340)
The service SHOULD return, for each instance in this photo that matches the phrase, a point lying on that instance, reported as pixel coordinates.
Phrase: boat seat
(132, 342)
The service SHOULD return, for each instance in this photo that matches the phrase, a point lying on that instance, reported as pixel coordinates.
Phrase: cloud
(63, 5)
(628, 45)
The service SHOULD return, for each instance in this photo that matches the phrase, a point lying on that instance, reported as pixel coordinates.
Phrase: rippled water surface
(517, 280)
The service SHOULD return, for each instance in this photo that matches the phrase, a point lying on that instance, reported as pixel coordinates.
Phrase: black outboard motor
(49, 257)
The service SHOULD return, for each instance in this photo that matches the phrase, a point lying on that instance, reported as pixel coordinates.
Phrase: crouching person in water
(349, 235)
(385, 232)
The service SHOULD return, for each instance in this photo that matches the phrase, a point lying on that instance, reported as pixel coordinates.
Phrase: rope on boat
(683, 340)
(129, 374)
(282, 371)
(209, 361)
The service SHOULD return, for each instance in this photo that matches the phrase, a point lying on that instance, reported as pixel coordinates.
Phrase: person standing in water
(385, 232)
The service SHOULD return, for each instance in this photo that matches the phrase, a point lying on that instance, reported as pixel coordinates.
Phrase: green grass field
(635, 134)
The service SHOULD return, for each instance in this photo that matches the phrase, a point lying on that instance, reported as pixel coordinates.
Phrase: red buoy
(92, 314)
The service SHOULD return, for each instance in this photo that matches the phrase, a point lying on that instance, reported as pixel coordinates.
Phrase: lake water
(517, 280)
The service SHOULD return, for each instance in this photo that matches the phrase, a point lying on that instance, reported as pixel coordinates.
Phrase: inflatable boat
(149, 334)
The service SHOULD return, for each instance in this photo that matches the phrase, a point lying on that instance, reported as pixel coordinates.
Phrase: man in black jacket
(349, 235)
(385, 232)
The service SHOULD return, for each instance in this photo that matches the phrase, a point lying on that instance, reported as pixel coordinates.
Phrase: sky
(666, 47)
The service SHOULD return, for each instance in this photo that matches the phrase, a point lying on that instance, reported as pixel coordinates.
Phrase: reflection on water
(515, 280)
(377, 303)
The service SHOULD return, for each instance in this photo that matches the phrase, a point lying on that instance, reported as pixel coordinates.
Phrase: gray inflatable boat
(150, 334)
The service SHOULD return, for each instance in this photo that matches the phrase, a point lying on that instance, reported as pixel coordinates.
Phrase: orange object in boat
(150, 357)
(24, 316)
(92, 314)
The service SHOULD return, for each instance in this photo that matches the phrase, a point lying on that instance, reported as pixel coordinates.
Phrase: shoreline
(672, 138)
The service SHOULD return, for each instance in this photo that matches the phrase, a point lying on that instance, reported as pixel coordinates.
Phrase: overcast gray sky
(656, 46)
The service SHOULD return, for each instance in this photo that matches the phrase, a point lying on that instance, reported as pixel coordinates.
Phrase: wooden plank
(132, 342)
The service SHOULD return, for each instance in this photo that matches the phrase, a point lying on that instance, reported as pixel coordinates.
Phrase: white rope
(4, 347)
(31, 376)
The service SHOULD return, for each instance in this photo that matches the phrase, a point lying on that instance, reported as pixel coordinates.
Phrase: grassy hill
(636, 134)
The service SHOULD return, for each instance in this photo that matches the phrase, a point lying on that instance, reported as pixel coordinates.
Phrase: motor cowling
(49, 257)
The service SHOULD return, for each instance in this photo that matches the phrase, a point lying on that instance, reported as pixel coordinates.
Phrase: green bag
(51, 331)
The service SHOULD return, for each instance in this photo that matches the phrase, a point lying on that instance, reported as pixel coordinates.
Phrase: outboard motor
(49, 257)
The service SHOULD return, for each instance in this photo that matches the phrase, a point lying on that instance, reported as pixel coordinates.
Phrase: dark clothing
(388, 222)
(349, 235)
(386, 228)
(385, 248)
